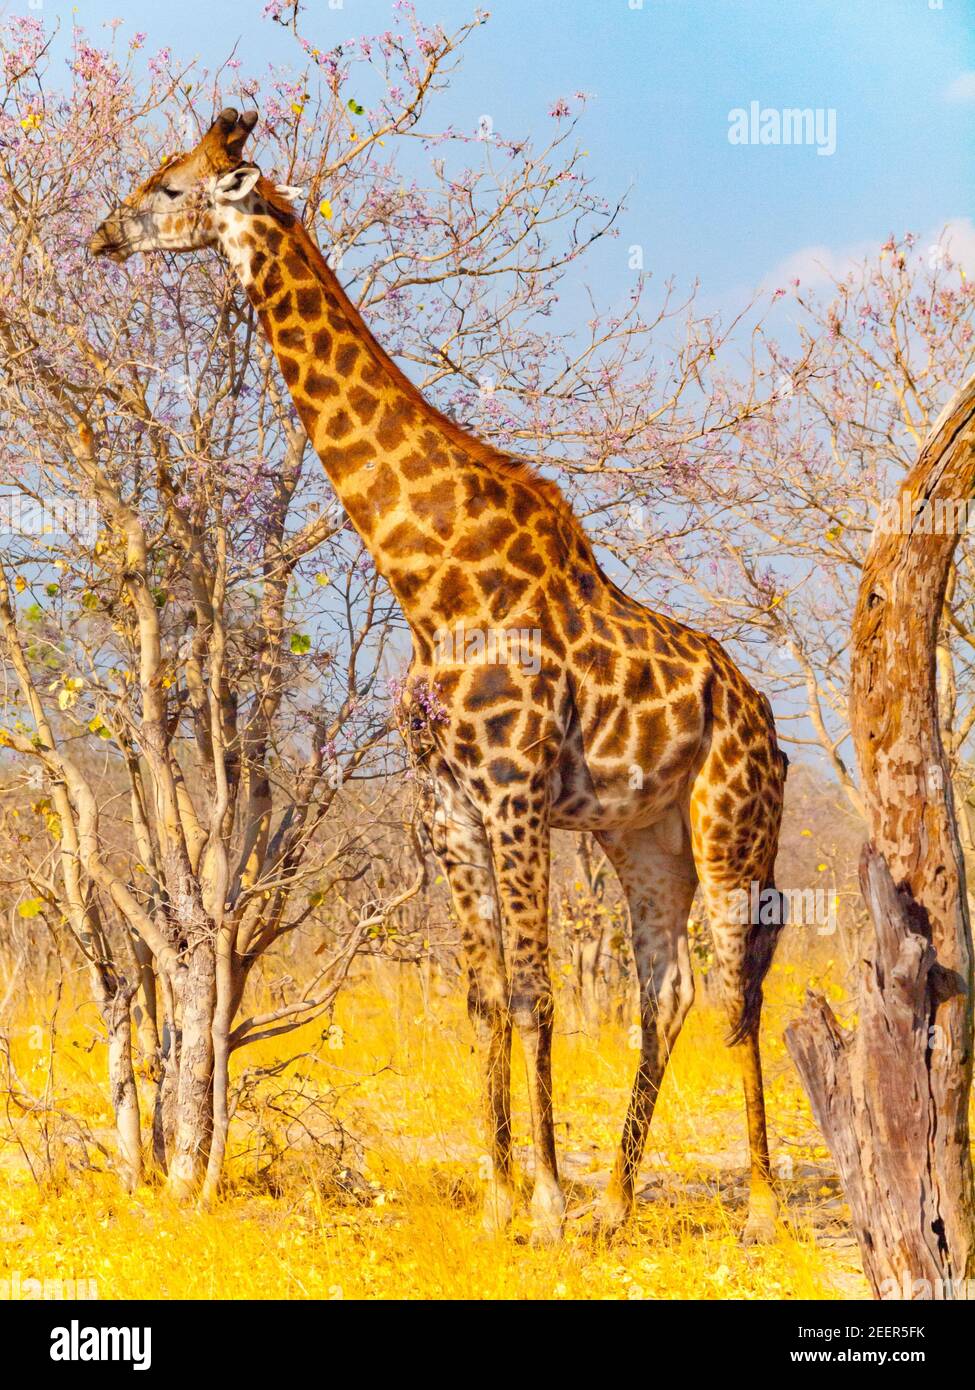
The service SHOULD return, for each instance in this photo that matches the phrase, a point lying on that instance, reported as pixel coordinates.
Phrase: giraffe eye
(170, 192)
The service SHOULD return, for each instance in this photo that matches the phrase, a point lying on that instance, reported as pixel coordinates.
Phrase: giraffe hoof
(760, 1226)
(499, 1208)
(611, 1215)
(545, 1233)
(611, 1220)
(758, 1230)
(602, 1219)
(763, 1209)
(548, 1215)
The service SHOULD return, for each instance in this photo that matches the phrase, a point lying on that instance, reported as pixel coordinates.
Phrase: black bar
(284, 1338)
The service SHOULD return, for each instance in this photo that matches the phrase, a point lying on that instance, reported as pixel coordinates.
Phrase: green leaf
(355, 108)
(300, 643)
(30, 907)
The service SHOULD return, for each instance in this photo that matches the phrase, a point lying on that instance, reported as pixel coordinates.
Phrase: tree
(175, 592)
(892, 1098)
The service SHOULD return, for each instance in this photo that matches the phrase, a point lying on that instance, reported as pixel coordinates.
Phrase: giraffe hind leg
(735, 857)
(659, 881)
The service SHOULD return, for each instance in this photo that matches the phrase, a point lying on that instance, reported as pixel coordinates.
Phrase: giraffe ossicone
(470, 539)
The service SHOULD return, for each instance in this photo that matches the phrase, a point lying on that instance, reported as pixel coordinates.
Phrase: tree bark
(869, 1092)
(892, 1098)
(194, 1094)
(590, 959)
(125, 1093)
(223, 1017)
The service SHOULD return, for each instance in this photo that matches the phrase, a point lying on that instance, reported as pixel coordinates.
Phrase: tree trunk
(164, 1115)
(125, 1094)
(892, 1098)
(145, 1014)
(224, 1008)
(589, 963)
(875, 1117)
(194, 1094)
(965, 809)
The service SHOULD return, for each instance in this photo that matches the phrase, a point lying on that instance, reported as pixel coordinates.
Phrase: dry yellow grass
(409, 1092)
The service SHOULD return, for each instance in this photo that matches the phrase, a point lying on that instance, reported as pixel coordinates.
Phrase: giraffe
(611, 719)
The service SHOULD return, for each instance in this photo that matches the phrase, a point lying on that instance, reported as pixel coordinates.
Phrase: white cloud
(816, 267)
(959, 239)
(962, 89)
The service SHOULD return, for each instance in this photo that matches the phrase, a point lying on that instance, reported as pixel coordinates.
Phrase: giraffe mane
(519, 470)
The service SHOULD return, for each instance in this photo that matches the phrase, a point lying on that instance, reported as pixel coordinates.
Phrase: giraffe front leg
(461, 844)
(492, 1027)
(521, 867)
(533, 1012)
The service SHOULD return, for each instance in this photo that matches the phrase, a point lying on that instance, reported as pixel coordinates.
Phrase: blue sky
(899, 74)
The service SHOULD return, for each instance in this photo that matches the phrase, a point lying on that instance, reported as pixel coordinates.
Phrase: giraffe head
(178, 207)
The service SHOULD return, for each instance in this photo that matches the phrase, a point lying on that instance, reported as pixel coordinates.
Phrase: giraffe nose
(100, 242)
(105, 241)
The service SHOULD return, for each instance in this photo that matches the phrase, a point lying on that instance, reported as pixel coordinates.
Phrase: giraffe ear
(236, 184)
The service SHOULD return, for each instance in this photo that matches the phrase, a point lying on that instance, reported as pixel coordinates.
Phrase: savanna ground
(395, 1215)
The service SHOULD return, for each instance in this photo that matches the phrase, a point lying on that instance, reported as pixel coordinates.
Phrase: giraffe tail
(760, 947)
(763, 935)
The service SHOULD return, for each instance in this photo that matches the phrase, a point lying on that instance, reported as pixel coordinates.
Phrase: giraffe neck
(398, 465)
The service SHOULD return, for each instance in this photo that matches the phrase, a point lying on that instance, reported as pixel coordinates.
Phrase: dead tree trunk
(892, 1097)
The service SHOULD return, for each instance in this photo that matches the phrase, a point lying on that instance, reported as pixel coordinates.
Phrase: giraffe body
(608, 718)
